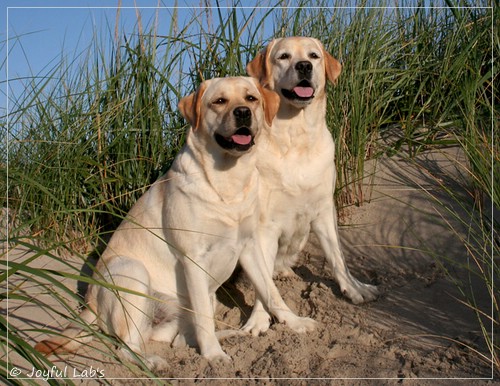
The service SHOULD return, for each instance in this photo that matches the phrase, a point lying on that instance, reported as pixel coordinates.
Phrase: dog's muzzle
(303, 91)
(242, 139)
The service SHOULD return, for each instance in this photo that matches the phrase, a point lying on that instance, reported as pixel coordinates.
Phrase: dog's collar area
(303, 92)
(241, 140)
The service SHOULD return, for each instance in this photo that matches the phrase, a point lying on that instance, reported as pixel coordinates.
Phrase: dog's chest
(298, 172)
(297, 185)
(219, 249)
(298, 157)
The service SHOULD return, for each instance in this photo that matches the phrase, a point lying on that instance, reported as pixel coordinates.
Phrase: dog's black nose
(242, 112)
(243, 115)
(304, 68)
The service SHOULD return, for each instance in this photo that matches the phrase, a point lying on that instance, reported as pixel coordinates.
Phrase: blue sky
(47, 28)
(41, 33)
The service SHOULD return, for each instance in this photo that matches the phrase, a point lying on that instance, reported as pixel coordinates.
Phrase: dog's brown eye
(251, 98)
(284, 56)
(219, 101)
(314, 55)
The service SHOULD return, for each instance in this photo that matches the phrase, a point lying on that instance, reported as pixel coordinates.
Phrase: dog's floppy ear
(259, 67)
(333, 67)
(271, 103)
(190, 106)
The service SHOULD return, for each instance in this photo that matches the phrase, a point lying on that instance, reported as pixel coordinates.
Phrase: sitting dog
(296, 164)
(184, 237)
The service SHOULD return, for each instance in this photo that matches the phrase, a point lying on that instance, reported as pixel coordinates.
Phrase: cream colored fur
(296, 164)
(185, 235)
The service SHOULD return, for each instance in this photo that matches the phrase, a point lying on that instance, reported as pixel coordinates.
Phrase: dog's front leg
(252, 262)
(260, 320)
(197, 284)
(325, 227)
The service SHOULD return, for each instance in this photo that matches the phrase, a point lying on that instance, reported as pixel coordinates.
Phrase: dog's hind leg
(166, 318)
(165, 332)
(126, 308)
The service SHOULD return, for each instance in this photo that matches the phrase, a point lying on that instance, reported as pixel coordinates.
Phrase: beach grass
(88, 137)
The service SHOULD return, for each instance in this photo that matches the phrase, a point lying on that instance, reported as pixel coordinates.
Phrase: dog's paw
(258, 323)
(217, 357)
(359, 292)
(300, 325)
(154, 362)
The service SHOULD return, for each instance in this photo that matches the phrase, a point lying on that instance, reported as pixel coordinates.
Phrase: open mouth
(241, 140)
(303, 91)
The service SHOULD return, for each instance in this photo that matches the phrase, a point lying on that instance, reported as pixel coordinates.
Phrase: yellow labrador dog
(185, 235)
(296, 163)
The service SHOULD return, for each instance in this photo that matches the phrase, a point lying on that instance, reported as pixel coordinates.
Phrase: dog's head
(295, 67)
(230, 112)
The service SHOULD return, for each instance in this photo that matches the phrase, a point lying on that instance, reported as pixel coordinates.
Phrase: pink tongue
(241, 139)
(304, 92)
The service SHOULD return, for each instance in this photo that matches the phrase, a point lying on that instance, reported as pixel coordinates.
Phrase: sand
(418, 329)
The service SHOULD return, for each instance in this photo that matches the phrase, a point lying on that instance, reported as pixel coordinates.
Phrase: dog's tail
(70, 339)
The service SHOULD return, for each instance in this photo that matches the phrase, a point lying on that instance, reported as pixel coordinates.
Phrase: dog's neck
(230, 177)
(297, 126)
